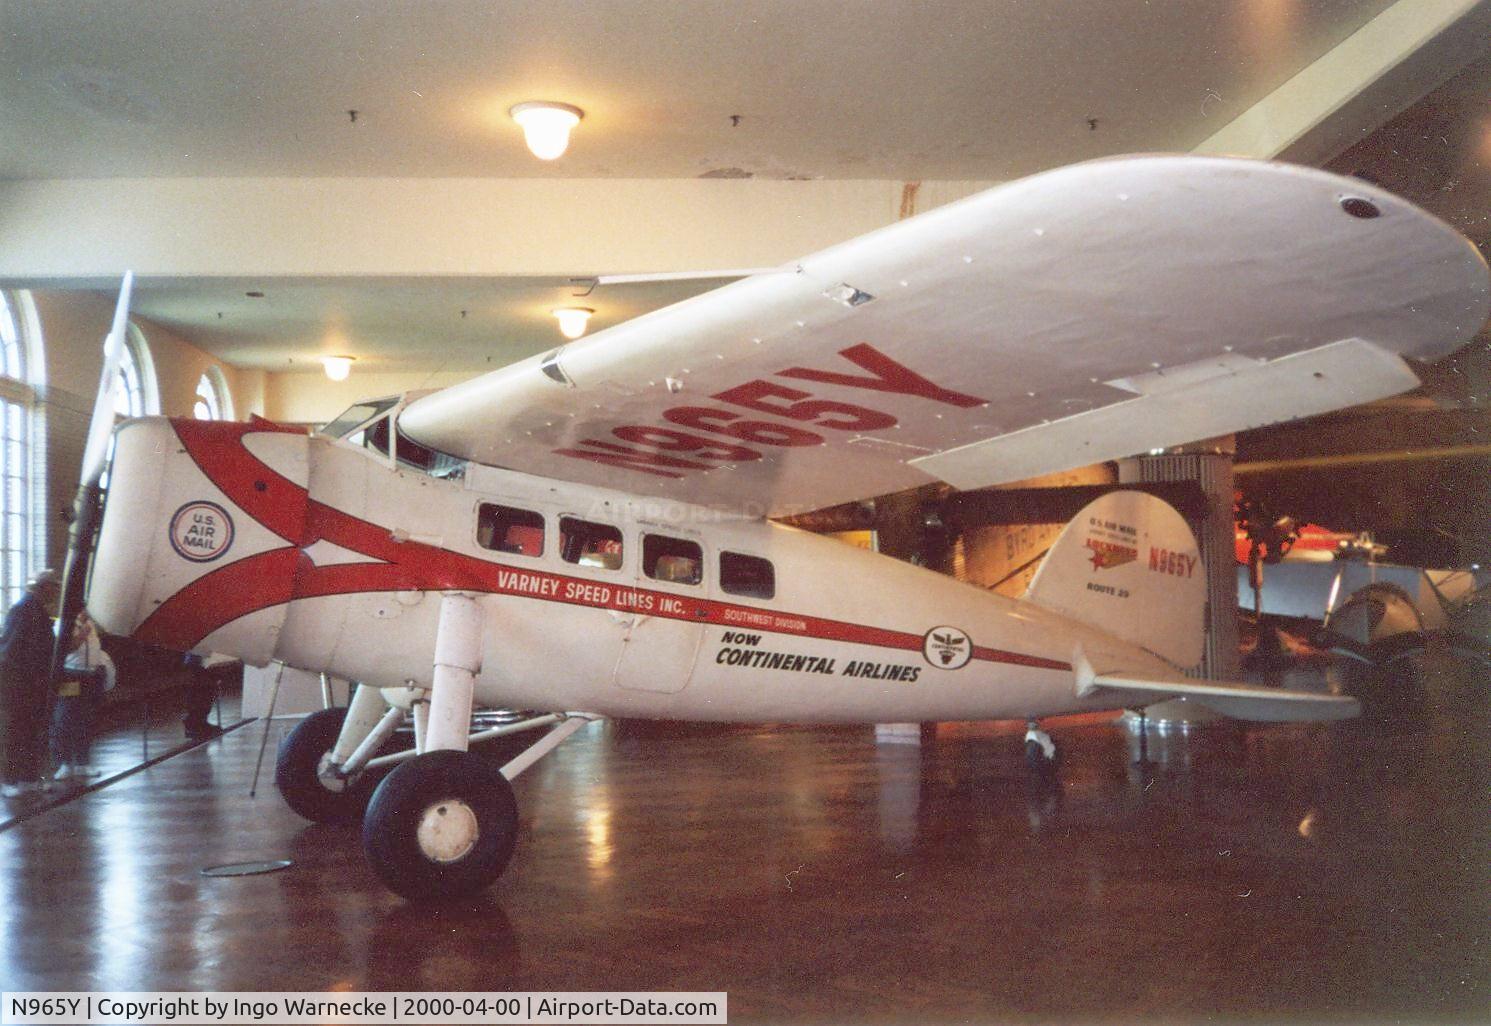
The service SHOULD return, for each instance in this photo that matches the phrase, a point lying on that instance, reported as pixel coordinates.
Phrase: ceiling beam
(80, 231)
(1367, 79)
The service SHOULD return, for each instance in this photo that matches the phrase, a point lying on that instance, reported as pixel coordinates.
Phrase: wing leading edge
(1075, 316)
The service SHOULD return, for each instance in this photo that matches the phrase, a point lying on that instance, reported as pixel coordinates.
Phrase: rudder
(1129, 565)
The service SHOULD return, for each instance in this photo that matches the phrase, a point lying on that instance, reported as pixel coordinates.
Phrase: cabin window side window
(508, 529)
(672, 560)
(587, 543)
(750, 576)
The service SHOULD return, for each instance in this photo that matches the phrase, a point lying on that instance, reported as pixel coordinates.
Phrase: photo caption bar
(86, 1008)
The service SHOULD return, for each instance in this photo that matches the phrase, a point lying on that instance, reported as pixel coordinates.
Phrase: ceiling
(887, 90)
(1437, 153)
(958, 89)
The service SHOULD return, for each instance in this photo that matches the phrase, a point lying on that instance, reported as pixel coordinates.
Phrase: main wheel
(302, 772)
(442, 825)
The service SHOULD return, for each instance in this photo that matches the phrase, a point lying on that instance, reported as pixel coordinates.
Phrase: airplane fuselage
(268, 544)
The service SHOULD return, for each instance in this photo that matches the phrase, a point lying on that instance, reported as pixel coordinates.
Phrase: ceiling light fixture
(337, 367)
(572, 320)
(546, 126)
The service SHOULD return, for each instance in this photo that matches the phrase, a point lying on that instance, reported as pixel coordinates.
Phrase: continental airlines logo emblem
(1106, 555)
(947, 648)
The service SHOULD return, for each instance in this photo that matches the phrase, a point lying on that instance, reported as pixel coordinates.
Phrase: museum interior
(344, 220)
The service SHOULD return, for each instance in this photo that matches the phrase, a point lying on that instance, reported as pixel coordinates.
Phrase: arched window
(22, 485)
(136, 394)
(213, 400)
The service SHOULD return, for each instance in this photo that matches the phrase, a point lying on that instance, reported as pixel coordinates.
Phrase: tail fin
(1129, 565)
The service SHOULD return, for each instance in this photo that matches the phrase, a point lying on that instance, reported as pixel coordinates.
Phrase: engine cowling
(201, 535)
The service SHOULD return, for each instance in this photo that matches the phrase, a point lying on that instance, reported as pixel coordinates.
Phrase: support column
(1209, 464)
(457, 660)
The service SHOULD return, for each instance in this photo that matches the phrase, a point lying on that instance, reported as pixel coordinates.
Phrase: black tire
(297, 772)
(426, 787)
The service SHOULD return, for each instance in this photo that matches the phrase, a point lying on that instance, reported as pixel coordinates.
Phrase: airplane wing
(1079, 315)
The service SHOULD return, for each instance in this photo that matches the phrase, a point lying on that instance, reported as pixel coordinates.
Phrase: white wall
(313, 398)
(73, 325)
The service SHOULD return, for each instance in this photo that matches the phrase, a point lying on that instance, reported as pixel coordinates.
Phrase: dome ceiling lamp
(546, 126)
(573, 320)
(338, 367)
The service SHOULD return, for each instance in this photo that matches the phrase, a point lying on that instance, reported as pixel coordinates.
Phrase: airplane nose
(137, 478)
(200, 536)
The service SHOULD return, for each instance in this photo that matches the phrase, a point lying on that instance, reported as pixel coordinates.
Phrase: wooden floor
(1338, 873)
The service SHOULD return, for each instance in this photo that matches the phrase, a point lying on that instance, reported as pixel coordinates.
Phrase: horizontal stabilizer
(1239, 701)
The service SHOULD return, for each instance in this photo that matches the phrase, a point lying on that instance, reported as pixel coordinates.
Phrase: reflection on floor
(129, 735)
(1286, 874)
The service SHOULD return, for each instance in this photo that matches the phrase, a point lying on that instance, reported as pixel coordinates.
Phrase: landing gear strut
(1040, 750)
(444, 823)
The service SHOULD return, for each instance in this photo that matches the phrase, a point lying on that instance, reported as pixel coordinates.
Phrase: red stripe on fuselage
(281, 575)
(218, 598)
(258, 489)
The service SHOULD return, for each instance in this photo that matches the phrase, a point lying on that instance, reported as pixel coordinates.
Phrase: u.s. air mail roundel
(201, 531)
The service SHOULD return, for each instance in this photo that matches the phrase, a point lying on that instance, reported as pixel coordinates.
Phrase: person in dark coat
(25, 684)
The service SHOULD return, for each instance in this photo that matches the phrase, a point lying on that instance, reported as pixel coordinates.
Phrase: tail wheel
(442, 825)
(303, 773)
(1041, 753)
(1037, 759)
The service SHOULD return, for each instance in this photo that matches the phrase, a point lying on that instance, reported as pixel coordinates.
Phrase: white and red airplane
(593, 539)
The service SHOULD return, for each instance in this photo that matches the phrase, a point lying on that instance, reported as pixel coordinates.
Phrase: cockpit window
(375, 436)
(589, 544)
(412, 454)
(355, 416)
